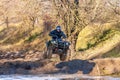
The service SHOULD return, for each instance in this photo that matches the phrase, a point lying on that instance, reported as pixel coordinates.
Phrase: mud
(32, 62)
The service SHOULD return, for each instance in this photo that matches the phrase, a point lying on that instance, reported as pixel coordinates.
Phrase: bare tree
(32, 11)
(8, 9)
(115, 6)
(5, 10)
(77, 14)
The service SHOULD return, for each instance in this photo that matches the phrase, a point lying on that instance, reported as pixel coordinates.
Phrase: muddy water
(55, 77)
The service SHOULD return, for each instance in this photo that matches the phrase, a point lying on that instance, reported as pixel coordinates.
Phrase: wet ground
(55, 77)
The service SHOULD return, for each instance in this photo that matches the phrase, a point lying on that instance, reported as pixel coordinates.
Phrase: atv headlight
(53, 42)
(67, 44)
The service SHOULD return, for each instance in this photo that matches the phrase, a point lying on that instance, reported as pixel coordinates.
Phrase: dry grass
(15, 36)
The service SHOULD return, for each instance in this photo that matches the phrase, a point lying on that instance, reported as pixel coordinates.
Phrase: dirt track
(31, 63)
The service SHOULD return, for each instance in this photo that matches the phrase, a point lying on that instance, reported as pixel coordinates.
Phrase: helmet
(58, 28)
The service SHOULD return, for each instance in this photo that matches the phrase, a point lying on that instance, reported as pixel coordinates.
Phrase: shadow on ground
(45, 67)
(20, 67)
(74, 66)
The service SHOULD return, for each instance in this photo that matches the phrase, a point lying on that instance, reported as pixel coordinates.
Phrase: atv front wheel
(48, 53)
(65, 56)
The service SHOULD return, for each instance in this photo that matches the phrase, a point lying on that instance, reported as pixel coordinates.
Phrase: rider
(57, 34)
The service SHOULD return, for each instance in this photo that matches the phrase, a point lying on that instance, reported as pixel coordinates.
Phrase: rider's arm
(52, 34)
(63, 35)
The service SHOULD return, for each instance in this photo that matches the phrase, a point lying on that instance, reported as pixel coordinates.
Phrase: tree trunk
(33, 23)
(7, 22)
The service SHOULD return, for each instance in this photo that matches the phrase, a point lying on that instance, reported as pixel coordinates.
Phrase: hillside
(99, 40)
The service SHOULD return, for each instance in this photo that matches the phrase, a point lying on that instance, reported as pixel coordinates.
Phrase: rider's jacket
(57, 35)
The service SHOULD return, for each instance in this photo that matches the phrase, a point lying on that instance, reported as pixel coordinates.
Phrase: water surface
(55, 77)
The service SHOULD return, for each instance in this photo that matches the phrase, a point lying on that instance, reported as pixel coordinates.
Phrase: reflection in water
(54, 77)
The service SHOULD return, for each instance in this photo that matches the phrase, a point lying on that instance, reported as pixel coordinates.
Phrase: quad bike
(59, 47)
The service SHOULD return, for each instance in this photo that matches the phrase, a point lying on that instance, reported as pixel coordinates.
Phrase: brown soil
(32, 62)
